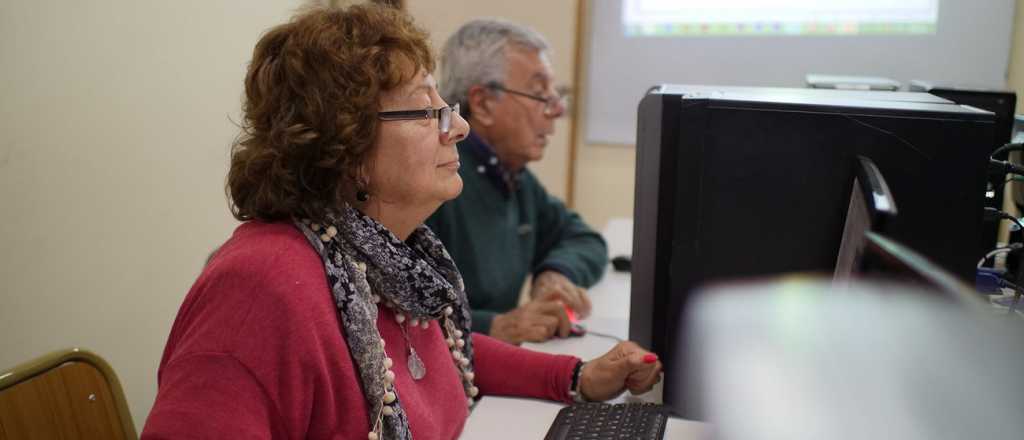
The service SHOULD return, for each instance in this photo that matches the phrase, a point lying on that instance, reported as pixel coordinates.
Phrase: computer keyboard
(603, 421)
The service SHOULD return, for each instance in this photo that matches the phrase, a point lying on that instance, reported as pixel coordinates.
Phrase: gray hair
(475, 54)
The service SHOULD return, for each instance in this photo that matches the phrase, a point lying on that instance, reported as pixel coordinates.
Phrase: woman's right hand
(625, 366)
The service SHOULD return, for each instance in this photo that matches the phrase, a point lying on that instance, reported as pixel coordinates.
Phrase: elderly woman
(332, 312)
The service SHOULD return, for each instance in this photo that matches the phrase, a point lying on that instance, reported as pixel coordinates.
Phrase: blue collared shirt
(490, 166)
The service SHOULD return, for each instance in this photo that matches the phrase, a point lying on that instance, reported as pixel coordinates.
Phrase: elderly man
(505, 226)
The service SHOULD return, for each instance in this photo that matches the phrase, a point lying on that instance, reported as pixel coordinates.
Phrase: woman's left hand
(625, 366)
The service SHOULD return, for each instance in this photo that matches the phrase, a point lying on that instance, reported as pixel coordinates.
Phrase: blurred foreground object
(799, 358)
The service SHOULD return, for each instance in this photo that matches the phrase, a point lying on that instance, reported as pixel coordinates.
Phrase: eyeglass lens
(445, 118)
(552, 103)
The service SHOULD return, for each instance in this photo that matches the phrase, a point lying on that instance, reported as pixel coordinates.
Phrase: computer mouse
(577, 330)
(622, 263)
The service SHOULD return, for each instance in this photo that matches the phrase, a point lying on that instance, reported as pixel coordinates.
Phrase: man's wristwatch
(574, 387)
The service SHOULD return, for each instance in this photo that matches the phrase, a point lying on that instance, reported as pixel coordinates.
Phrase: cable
(1001, 166)
(604, 335)
(1011, 179)
(1008, 147)
(1016, 295)
(999, 250)
(993, 213)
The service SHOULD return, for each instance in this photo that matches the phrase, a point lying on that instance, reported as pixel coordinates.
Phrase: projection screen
(635, 44)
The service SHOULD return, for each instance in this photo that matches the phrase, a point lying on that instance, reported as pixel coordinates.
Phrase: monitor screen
(858, 221)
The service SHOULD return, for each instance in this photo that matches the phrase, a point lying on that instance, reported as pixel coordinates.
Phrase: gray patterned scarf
(367, 265)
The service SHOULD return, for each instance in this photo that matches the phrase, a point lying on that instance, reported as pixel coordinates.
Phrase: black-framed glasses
(551, 103)
(442, 114)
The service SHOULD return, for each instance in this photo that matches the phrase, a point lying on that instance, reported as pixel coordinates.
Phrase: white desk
(500, 418)
(610, 298)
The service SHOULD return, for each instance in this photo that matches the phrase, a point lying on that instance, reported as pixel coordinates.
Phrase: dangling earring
(361, 183)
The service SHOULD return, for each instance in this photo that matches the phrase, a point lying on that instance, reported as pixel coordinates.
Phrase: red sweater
(257, 352)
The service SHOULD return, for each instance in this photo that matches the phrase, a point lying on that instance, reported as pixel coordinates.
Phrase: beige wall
(604, 182)
(1016, 74)
(604, 178)
(115, 123)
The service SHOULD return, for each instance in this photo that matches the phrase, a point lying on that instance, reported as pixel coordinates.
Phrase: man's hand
(625, 366)
(535, 321)
(551, 282)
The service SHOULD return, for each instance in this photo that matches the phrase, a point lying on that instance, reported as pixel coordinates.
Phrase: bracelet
(574, 387)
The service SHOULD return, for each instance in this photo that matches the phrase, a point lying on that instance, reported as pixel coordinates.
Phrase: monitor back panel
(731, 189)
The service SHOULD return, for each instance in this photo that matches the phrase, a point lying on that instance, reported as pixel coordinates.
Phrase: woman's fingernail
(650, 358)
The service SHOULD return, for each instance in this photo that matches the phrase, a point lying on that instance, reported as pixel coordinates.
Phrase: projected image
(671, 18)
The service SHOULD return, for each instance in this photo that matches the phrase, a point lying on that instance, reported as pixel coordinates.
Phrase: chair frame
(35, 367)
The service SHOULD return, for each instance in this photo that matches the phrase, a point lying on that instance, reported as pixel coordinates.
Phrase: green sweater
(497, 236)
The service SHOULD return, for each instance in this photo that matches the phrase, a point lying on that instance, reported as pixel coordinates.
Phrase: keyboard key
(600, 421)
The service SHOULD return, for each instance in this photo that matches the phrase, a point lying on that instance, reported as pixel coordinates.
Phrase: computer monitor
(736, 183)
(886, 259)
(1002, 103)
(871, 204)
(866, 253)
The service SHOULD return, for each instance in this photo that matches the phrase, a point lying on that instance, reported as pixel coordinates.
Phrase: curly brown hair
(310, 112)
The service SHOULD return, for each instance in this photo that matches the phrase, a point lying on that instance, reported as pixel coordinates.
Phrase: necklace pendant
(416, 367)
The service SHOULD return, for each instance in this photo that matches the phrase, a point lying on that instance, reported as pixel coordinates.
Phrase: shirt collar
(489, 166)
